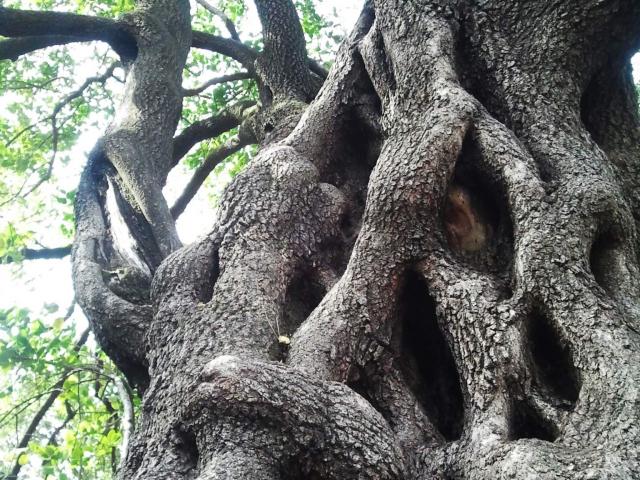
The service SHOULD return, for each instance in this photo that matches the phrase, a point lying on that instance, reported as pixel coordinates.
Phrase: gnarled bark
(431, 271)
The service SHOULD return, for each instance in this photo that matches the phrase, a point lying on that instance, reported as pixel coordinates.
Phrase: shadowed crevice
(357, 148)
(303, 295)
(610, 113)
(550, 361)
(366, 381)
(476, 217)
(609, 107)
(526, 422)
(427, 361)
(186, 449)
(205, 292)
(605, 258)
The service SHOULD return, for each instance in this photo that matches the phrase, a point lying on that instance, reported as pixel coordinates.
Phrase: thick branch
(208, 128)
(288, 412)
(226, 46)
(283, 63)
(30, 23)
(119, 325)
(139, 141)
(12, 48)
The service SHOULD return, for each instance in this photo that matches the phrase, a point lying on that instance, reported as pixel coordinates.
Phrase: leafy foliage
(41, 358)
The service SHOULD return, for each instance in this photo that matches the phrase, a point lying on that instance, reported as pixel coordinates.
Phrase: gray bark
(431, 271)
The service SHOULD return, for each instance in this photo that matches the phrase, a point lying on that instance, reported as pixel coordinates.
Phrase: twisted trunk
(432, 272)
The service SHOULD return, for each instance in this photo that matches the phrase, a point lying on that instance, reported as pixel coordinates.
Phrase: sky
(43, 282)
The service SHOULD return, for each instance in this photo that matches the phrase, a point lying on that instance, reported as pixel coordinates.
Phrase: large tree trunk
(431, 273)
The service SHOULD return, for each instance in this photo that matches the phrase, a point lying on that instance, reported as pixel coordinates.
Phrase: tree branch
(203, 171)
(283, 64)
(318, 69)
(71, 413)
(118, 324)
(30, 23)
(38, 29)
(39, 254)
(220, 14)
(208, 128)
(226, 46)
(59, 106)
(127, 421)
(12, 48)
(55, 127)
(190, 92)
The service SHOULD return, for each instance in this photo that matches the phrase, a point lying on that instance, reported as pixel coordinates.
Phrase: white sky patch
(123, 240)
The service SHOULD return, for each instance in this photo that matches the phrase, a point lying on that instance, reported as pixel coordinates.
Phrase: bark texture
(430, 271)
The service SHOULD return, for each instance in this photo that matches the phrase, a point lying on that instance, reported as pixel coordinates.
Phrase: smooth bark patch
(427, 360)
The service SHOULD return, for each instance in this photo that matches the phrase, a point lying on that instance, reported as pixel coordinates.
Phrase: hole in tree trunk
(186, 448)
(427, 361)
(205, 291)
(606, 261)
(551, 362)
(526, 422)
(476, 218)
(303, 295)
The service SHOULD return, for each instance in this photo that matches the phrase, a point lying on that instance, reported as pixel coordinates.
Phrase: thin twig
(220, 14)
(55, 127)
(216, 81)
(127, 420)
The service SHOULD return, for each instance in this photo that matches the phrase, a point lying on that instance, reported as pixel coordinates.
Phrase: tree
(429, 270)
